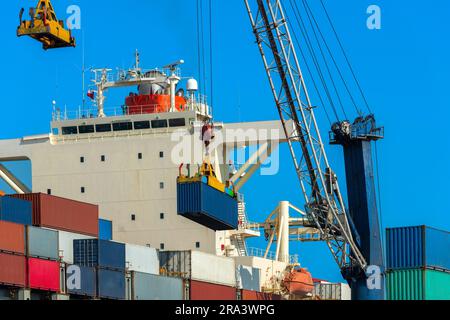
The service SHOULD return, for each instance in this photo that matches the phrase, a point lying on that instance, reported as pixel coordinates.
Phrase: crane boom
(323, 200)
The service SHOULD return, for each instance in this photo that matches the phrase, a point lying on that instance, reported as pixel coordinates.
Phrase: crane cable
(211, 64)
(330, 75)
(346, 57)
(305, 35)
(358, 111)
(312, 78)
(201, 45)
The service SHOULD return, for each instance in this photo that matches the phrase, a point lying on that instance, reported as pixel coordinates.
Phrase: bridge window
(156, 124)
(86, 129)
(69, 130)
(139, 125)
(180, 122)
(103, 127)
(122, 126)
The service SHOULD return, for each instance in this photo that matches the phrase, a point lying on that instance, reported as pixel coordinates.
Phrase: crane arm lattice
(323, 200)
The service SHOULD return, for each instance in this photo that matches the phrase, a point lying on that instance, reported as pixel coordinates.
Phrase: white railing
(258, 252)
(199, 105)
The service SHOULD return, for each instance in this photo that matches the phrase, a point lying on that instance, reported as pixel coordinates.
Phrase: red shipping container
(208, 291)
(13, 270)
(43, 274)
(63, 214)
(257, 296)
(12, 237)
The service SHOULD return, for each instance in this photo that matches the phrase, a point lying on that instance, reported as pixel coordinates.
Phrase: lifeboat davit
(152, 103)
(299, 282)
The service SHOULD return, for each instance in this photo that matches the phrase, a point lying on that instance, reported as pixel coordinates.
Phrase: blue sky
(403, 67)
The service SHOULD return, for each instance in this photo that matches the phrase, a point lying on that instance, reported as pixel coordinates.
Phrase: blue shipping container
(105, 229)
(207, 206)
(154, 287)
(417, 247)
(111, 284)
(99, 253)
(16, 210)
(81, 281)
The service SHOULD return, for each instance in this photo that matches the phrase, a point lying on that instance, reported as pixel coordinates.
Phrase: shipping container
(248, 278)
(43, 274)
(154, 287)
(141, 259)
(207, 291)
(13, 270)
(207, 206)
(42, 243)
(99, 253)
(331, 291)
(110, 284)
(250, 295)
(81, 281)
(12, 237)
(418, 284)
(65, 243)
(63, 214)
(105, 230)
(199, 266)
(15, 210)
(417, 247)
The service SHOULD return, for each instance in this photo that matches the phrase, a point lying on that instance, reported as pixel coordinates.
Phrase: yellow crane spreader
(44, 27)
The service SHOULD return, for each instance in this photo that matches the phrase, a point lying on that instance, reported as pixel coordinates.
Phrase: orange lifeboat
(299, 282)
(152, 103)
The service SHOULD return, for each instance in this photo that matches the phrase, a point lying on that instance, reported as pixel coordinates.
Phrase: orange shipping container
(12, 270)
(12, 238)
(63, 214)
(208, 291)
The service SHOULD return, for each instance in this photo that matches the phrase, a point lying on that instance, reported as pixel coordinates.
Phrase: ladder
(239, 240)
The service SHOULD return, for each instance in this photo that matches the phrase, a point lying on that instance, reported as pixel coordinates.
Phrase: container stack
(107, 259)
(206, 276)
(36, 234)
(418, 264)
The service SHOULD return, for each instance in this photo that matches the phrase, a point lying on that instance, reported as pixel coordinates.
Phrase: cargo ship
(108, 189)
(144, 202)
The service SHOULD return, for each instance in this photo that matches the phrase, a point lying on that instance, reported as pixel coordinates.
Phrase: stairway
(238, 239)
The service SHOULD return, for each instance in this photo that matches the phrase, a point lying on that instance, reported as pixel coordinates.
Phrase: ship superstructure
(127, 160)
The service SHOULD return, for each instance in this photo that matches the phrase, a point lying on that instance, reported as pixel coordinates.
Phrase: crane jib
(324, 202)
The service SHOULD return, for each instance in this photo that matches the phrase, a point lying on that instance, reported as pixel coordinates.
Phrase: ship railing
(92, 112)
(261, 253)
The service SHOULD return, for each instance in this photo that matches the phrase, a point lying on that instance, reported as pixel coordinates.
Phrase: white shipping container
(141, 259)
(213, 269)
(248, 278)
(65, 240)
(332, 291)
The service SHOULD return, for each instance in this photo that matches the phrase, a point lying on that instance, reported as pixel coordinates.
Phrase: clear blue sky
(403, 67)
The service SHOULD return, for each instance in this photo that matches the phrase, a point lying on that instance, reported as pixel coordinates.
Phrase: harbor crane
(353, 236)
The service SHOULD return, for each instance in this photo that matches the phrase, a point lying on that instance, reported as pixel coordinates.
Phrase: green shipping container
(418, 284)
